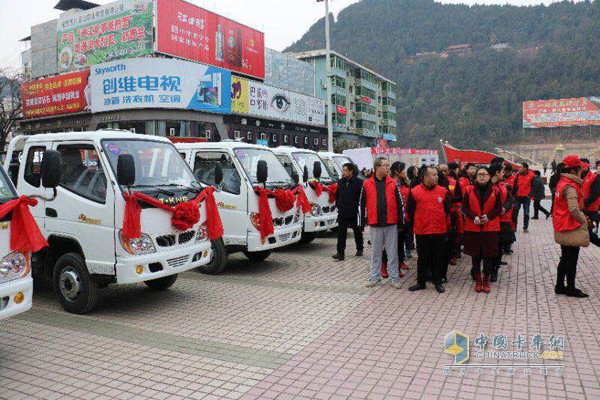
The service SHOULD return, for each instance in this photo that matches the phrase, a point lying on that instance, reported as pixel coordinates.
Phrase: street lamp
(328, 73)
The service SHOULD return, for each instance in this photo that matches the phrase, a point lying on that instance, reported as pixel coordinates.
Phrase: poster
(61, 94)
(160, 83)
(193, 33)
(260, 100)
(122, 29)
(582, 111)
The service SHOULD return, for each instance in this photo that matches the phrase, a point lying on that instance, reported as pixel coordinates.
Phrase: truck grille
(166, 240)
(186, 237)
(177, 262)
(278, 221)
(288, 220)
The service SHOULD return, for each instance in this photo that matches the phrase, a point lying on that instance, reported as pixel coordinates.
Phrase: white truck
(335, 162)
(238, 203)
(312, 169)
(83, 220)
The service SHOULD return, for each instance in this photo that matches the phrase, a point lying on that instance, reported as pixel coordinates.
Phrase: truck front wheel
(161, 283)
(72, 283)
(218, 260)
(307, 237)
(257, 256)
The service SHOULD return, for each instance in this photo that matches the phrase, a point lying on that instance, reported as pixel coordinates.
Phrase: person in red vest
(522, 193)
(509, 179)
(381, 209)
(482, 206)
(453, 186)
(506, 235)
(428, 206)
(591, 197)
(456, 190)
(398, 171)
(570, 225)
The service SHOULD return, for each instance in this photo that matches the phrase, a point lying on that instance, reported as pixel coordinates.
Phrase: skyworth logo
(457, 344)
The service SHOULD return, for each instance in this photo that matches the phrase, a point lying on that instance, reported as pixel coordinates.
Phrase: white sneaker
(372, 284)
(396, 285)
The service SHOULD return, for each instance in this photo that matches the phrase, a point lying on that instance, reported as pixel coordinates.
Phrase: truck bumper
(8, 290)
(321, 223)
(282, 237)
(164, 263)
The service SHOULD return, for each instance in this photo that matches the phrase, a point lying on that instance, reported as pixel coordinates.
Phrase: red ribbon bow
(284, 200)
(25, 234)
(318, 188)
(185, 215)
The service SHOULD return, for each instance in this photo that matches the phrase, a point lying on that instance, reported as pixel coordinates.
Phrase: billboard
(159, 83)
(583, 111)
(122, 29)
(260, 100)
(190, 32)
(62, 94)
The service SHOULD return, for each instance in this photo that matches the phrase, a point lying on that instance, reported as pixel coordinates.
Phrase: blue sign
(262, 142)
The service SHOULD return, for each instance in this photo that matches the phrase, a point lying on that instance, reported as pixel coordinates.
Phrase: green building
(364, 102)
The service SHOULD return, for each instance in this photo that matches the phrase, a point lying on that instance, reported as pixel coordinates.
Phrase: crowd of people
(452, 210)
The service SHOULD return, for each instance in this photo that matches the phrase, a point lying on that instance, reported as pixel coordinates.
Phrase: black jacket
(538, 191)
(347, 197)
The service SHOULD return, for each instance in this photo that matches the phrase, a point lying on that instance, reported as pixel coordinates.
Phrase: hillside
(554, 53)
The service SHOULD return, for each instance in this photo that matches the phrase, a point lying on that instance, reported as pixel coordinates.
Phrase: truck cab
(335, 162)
(84, 217)
(312, 169)
(238, 203)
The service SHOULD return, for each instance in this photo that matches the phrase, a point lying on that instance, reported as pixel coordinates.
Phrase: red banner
(342, 110)
(582, 111)
(470, 156)
(62, 94)
(187, 31)
(366, 100)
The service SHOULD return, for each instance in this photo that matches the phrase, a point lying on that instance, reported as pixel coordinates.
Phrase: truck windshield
(249, 158)
(341, 160)
(156, 163)
(332, 169)
(308, 160)
(7, 191)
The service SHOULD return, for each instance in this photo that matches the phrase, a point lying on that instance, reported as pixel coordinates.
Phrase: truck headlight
(255, 218)
(316, 209)
(202, 235)
(138, 246)
(13, 266)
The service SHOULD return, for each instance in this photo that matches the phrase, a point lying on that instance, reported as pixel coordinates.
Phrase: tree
(11, 107)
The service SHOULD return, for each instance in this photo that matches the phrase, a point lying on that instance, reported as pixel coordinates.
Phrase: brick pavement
(301, 326)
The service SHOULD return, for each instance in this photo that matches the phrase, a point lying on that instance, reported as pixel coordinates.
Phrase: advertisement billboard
(260, 100)
(62, 94)
(122, 29)
(583, 111)
(160, 83)
(190, 32)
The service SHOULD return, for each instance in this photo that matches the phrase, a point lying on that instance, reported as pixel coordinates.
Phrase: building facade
(363, 101)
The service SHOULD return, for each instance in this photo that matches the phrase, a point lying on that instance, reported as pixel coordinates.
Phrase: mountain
(554, 52)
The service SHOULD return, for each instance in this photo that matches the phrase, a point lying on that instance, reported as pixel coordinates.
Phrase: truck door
(84, 205)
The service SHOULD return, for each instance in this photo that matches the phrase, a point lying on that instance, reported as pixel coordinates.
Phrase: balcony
(366, 84)
(388, 93)
(335, 71)
(389, 122)
(366, 116)
(391, 109)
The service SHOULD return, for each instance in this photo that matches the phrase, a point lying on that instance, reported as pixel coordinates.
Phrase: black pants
(343, 225)
(537, 207)
(488, 265)
(430, 249)
(567, 266)
(449, 253)
(525, 203)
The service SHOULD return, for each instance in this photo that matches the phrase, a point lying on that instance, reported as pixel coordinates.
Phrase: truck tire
(76, 289)
(218, 260)
(161, 283)
(307, 237)
(257, 256)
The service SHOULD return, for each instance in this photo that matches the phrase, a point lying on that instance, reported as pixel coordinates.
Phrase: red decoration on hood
(318, 188)
(25, 234)
(185, 215)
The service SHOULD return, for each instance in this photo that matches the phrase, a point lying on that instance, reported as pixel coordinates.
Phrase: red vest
(464, 184)
(494, 224)
(561, 217)
(510, 180)
(404, 192)
(507, 216)
(452, 188)
(524, 183)
(390, 197)
(586, 189)
(430, 216)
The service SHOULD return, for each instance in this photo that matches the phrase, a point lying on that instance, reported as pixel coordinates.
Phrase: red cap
(585, 165)
(572, 162)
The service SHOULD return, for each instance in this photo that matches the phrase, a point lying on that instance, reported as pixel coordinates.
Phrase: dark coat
(347, 197)
(481, 244)
(538, 191)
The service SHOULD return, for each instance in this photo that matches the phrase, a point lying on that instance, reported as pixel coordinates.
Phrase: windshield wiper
(158, 189)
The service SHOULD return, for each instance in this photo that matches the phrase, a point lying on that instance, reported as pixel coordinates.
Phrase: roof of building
(26, 39)
(458, 46)
(65, 5)
(322, 53)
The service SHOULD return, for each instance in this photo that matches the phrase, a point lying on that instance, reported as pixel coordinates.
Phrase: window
(33, 166)
(287, 164)
(338, 99)
(237, 134)
(324, 142)
(263, 136)
(274, 137)
(204, 170)
(208, 134)
(338, 81)
(82, 172)
(249, 136)
(316, 141)
(296, 139)
(286, 139)
(306, 140)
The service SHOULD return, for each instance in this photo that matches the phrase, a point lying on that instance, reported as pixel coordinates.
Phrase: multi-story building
(363, 101)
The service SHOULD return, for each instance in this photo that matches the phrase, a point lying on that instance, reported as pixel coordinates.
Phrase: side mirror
(218, 174)
(305, 174)
(295, 177)
(262, 172)
(125, 170)
(317, 170)
(51, 168)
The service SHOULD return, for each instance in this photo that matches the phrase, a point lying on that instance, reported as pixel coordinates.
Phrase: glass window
(237, 134)
(204, 169)
(33, 166)
(249, 136)
(7, 191)
(249, 158)
(286, 139)
(295, 139)
(309, 160)
(82, 172)
(287, 164)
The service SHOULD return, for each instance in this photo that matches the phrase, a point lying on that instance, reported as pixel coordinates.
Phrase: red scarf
(25, 234)
(318, 188)
(185, 215)
(284, 200)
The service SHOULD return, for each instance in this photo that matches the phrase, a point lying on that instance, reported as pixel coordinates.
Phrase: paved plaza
(301, 326)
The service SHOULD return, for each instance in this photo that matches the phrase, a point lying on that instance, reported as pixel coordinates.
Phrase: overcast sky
(282, 21)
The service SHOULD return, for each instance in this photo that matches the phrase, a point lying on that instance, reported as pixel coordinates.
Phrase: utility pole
(328, 73)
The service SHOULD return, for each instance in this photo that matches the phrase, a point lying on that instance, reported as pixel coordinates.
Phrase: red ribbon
(284, 200)
(185, 215)
(318, 188)
(25, 234)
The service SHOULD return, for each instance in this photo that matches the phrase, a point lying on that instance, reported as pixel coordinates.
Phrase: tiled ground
(301, 326)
